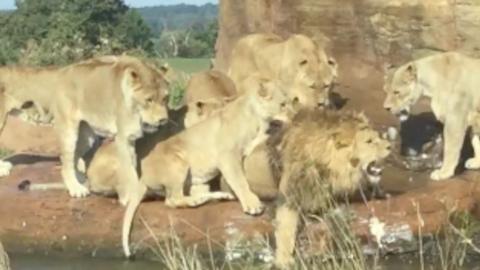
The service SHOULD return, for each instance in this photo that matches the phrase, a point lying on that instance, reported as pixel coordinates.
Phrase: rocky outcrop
(373, 31)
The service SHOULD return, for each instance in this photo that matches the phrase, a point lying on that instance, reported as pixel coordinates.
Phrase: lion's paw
(78, 190)
(439, 174)
(472, 164)
(5, 168)
(253, 205)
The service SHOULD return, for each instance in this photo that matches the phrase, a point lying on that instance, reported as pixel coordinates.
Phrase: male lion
(298, 62)
(324, 154)
(115, 95)
(450, 81)
(212, 146)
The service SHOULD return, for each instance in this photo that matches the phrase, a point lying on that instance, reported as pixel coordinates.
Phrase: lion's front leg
(232, 170)
(286, 223)
(68, 135)
(453, 134)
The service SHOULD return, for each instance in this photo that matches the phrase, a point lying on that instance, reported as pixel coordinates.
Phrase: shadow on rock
(30, 159)
(337, 101)
(421, 135)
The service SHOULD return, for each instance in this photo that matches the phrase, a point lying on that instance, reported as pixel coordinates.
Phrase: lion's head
(368, 149)
(268, 98)
(146, 90)
(333, 148)
(313, 72)
(402, 91)
(201, 110)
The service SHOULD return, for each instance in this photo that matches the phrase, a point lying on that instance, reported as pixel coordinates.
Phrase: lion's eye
(304, 62)
(370, 141)
(396, 92)
(149, 100)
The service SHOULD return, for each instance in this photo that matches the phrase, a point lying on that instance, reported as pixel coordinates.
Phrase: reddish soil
(52, 222)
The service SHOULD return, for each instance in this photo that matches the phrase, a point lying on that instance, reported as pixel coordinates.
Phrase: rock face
(373, 31)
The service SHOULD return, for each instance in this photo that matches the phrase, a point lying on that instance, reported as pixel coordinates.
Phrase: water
(37, 262)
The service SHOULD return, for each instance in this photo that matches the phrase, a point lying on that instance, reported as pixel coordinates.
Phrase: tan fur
(215, 145)
(207, 85)
(323, 154)
(298, 62)
(208, 92)
(451, 82)
(113, 94)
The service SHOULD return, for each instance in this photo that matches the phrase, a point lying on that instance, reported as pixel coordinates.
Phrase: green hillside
(178, 17)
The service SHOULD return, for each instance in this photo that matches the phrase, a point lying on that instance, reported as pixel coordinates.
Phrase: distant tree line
(59, 32)
(183, 30)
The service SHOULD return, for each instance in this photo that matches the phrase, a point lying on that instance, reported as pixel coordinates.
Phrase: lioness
(450, 81)
(324, 154)
(116, 95)
(207, 92)
(298, 62)
(215, 145)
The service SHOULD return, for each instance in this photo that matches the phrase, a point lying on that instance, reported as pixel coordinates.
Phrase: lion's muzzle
(374, 172)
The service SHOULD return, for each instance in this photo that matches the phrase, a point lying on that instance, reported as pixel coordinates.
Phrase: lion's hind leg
(199, 194)
(454, 134)
(474, 162)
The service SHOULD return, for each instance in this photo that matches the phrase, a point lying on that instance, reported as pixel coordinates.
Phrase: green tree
(59, 32)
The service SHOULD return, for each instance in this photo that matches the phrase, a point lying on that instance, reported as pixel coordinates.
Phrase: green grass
(188, 65)
(5, 152)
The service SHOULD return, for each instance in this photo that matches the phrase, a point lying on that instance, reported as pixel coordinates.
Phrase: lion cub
(324, 154)
(215, 145)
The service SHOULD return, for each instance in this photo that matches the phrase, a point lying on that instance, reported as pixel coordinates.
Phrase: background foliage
(50, 32)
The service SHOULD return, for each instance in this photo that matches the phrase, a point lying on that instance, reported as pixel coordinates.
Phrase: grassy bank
(188, 65)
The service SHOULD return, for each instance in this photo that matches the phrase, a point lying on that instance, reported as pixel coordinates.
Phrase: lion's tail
(132, 207)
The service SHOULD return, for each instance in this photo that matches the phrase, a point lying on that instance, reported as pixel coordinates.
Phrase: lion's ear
(411, 72)
(165, 68)
(341, 140)
(339, 144)
(130, 84)
(332, 62)
(387, 67)
(262, 90)
(131, 76)
(362, 117)
(200, 107)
